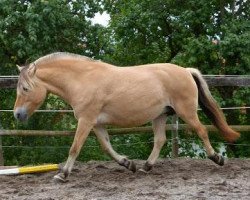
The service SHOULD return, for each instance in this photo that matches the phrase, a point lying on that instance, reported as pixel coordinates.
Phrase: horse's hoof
(60, 177)
(128, 164)
(218, 159)
(132, 167)
(147, 167)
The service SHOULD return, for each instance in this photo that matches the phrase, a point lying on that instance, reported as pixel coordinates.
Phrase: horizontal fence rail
(72, 111)
(212, 80)
(115, 131)
(240, 81)
(8, 82)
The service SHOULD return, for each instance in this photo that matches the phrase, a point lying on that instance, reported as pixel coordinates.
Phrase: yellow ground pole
(38, 169)
(30, 169)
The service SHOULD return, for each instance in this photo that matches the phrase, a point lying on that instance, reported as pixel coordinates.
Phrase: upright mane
(59, 55)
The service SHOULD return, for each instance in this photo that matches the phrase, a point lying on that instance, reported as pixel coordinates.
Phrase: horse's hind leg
(189, 114)
(202, 133)
(159, 125)
(103, 137)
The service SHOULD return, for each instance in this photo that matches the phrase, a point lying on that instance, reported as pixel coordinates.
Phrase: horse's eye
(25, 89)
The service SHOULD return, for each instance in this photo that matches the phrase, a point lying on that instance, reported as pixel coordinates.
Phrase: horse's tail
(211, 108)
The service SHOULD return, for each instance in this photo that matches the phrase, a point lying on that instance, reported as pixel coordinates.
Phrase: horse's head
(30, 93)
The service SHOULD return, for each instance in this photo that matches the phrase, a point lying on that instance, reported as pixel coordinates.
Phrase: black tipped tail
(211, 108)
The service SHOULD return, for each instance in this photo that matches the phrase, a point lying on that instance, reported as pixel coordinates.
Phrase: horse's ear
(19, 68)
(32, 69)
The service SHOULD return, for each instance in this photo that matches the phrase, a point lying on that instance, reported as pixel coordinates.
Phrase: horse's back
(163, 77)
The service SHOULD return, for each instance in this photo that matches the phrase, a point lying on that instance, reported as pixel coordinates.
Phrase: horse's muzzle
(21, 114)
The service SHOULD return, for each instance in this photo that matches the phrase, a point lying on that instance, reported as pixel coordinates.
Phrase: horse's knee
(161, 141)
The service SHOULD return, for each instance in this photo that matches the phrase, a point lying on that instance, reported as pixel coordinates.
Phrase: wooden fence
(240, 81)
(237, 81)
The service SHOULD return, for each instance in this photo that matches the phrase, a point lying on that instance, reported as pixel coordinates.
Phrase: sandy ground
(182, 178)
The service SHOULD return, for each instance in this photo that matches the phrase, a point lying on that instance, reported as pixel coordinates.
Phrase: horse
(103, 94)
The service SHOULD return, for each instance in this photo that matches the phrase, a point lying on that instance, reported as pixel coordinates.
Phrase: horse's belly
(129, 117)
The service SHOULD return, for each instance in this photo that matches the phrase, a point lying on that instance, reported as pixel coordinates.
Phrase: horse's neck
(57, 81)
(59, 78)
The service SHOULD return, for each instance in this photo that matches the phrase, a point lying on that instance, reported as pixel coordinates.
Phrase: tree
(210, 35)
(31, 29)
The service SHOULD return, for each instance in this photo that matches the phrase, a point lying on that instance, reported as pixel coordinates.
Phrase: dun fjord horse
(102, 94)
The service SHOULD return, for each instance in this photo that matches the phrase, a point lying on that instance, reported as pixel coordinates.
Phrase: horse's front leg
(83, 129)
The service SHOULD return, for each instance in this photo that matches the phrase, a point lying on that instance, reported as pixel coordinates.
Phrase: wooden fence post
(175, 137)
(1, 153)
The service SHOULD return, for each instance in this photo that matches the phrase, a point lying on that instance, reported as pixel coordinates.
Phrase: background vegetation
(212, 36)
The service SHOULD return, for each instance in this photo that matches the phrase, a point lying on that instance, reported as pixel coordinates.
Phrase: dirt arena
(182, 178)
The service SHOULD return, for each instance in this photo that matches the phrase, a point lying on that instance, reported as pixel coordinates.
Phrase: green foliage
(208, 35)
(31, 29)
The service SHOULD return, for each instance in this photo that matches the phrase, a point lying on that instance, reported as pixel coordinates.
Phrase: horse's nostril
(18, 115)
